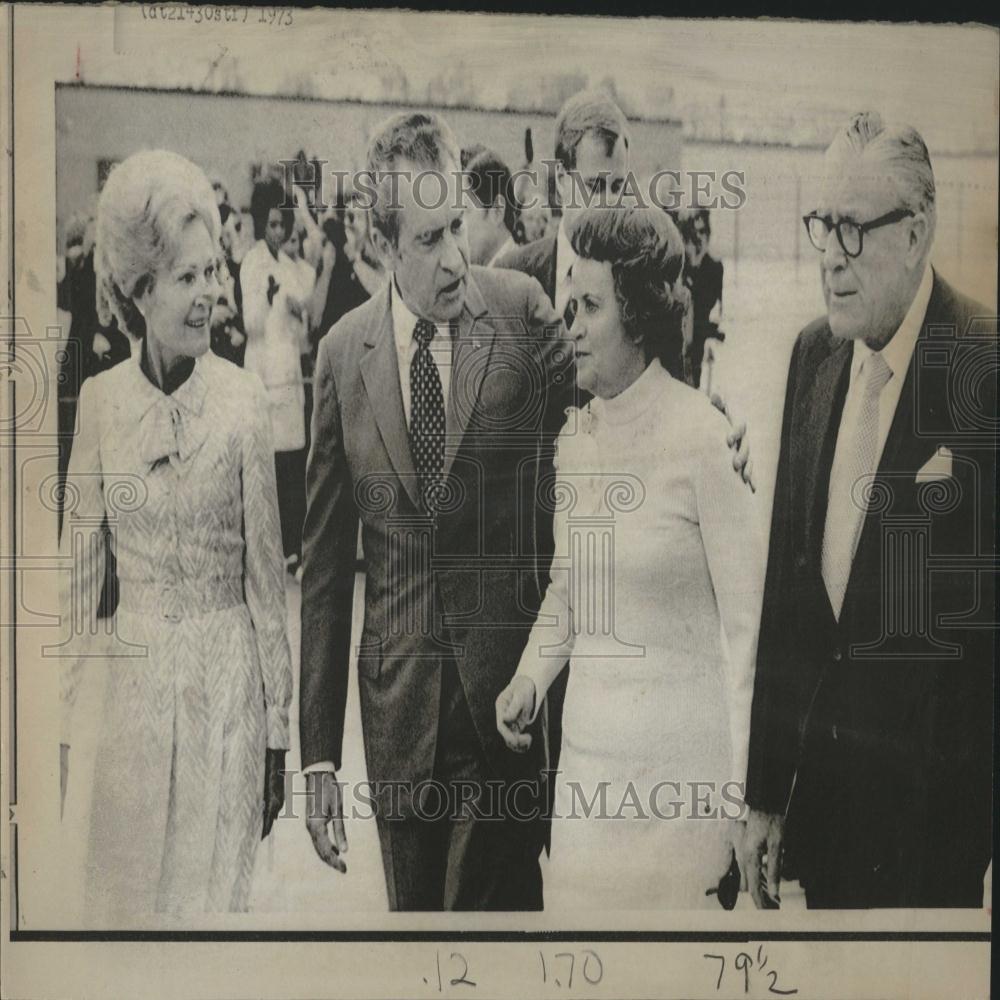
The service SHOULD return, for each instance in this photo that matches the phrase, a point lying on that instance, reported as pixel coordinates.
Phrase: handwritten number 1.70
(592, 967)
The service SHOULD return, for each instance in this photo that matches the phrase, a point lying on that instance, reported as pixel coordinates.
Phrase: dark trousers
(290, 470)
(865, 833)
(446, 858)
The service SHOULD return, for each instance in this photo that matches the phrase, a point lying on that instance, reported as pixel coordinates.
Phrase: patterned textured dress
(196, 671)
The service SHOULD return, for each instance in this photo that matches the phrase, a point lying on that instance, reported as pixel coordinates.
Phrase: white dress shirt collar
(898, 351)
(897, 354)
(565, 255)
(404, 321)
(565, 259)
(506, 247)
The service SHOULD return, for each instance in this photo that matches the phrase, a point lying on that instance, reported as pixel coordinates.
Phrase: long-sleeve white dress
(655, 600)
(196, 666)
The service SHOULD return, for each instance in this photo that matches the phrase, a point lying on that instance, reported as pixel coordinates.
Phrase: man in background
(491, 216)
(591, 157)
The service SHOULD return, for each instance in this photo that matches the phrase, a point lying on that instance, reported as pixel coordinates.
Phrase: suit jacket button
(837, 656)
(800, 561)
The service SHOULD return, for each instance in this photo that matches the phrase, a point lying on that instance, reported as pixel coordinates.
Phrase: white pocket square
(938, 466)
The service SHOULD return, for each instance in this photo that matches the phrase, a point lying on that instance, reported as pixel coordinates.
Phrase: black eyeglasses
(850, 234)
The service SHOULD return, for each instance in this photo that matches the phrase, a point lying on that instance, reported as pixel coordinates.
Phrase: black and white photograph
(528, 477)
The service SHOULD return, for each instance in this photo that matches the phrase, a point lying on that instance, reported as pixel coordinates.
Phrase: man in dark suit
(591, 161)
(703, 279)
(429, 401)
(871, 735)
(491, 213)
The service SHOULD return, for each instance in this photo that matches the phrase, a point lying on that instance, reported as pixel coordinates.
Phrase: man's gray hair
(904, 152)
(421, 137)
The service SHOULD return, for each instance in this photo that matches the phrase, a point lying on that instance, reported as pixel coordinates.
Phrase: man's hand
(274, 787)
(515, 706)
(325, 806)
(737, 441)
(63, 775)
(764, 835)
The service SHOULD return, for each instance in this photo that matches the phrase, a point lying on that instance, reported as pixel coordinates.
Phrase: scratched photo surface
(500, 473)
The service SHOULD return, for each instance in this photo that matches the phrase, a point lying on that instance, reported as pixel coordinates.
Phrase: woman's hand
(274, 787)
(515, 706)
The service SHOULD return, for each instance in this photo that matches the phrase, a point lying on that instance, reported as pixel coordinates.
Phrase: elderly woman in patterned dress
(194, 724)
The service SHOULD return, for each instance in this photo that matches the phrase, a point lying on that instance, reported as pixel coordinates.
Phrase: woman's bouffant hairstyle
(269, 194)
(646, 255)
(146, 203)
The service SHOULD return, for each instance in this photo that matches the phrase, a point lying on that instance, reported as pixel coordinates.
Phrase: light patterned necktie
(844, 515)
(427, 424)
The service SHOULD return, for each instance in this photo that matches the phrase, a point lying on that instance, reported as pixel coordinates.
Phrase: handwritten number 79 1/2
(744, 963)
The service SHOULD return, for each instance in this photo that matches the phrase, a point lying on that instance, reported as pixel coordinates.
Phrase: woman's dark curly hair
(266, 195)
(646, 254)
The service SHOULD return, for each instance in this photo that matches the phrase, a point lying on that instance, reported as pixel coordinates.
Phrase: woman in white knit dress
(654, 599)
(174, 453)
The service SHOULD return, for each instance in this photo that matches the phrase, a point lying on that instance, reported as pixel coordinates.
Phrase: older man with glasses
(871, 736)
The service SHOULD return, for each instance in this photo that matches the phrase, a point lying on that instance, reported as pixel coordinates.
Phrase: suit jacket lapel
(902, 430)
(380, 374)
(823, 408)
(470, 359)
(905, 451)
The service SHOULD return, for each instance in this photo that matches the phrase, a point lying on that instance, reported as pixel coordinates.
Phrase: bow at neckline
(171, 427)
